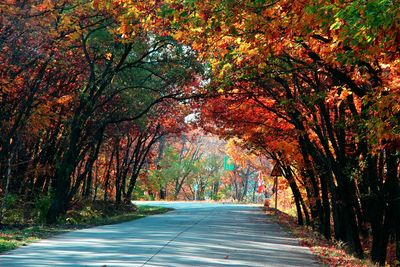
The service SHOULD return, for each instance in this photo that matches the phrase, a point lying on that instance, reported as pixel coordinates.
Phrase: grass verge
(14, 236)
(328, 253)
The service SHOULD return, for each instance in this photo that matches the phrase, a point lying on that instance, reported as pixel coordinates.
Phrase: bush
(12, 213)
(42, 205)
(141, 194)
(13, 216)
(10, 200)
(85, 215)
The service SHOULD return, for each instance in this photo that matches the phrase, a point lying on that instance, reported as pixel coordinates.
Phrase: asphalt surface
(195, 234)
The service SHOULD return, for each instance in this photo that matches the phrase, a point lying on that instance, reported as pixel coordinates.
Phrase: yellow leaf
(108, 56)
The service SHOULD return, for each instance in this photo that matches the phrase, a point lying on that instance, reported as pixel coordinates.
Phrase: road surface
(195, 234)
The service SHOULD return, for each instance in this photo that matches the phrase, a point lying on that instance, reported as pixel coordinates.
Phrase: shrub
(42, 205)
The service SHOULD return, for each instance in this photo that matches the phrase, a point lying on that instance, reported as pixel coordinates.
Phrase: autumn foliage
(314, 85)
(88, 87)
(84, 97)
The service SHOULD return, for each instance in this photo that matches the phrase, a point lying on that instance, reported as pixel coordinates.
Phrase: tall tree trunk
(108, 174)
(304, 147)
(96, 182)
(391, 189)
(7, 179)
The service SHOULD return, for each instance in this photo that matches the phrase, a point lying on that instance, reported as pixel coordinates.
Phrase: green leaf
(335, 25)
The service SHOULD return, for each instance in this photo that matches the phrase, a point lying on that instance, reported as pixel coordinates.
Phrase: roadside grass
(14, 236)
(11, 238)
(328, 253)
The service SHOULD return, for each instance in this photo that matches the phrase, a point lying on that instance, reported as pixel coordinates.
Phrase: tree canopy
(93, 91)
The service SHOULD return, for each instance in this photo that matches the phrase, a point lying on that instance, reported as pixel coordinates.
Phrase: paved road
(195, 234)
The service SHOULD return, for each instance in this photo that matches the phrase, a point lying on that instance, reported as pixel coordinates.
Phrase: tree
(321, 69)
(56, 123)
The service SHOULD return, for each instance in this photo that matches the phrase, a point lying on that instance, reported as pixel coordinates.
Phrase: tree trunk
(7, 179)
(108, 174)
(61, 182)
(287, 172)
(319, 212)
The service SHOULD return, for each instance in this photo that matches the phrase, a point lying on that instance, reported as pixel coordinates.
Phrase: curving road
(195, 234)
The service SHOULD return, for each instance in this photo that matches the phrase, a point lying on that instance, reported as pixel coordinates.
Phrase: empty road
(195, 234)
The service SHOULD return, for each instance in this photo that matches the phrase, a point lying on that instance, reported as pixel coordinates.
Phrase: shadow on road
(191, 235)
